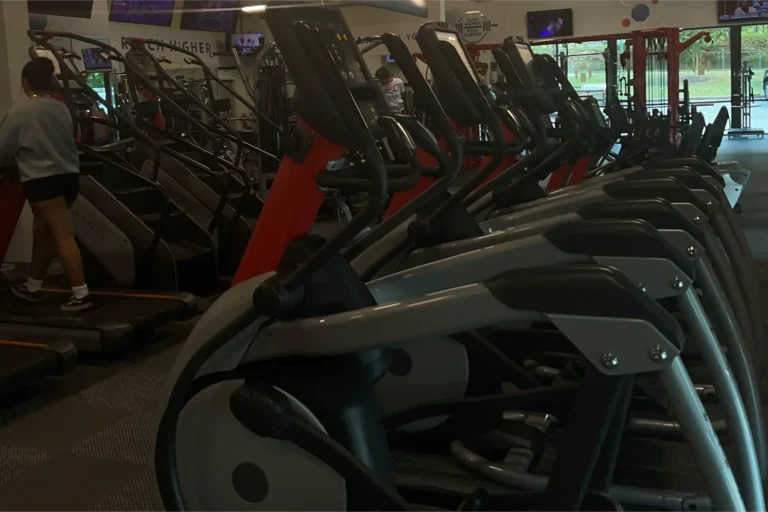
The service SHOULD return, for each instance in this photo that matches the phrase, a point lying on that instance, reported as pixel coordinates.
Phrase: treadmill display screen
(526, 54)
(453, 39)
(342, 50)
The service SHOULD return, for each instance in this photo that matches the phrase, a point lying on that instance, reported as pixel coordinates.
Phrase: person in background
(553, 28)
(488, 89)
(393, 89)
(38, 135)
(744, 9)
(500, 89)
(762, 8)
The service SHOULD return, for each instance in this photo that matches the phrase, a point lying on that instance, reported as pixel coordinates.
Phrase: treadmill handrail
(43, 37)
(157, 233)
(224, 190)
(137, 45)
(112, 146)
(247, 182)
(193, 58)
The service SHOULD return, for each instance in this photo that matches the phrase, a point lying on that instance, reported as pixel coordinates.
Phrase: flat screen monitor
(245, 44)
(48, 54)
(546, 24)
(93, 60)
(142, 12)
(734, 11)
(453, 39)
(71, 8)
(210, 15)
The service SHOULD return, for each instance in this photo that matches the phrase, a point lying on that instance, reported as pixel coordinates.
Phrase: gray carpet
(81, 442)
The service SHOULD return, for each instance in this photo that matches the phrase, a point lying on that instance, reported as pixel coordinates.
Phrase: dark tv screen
(143, 12)
(71, 8)
(546, 24)
(734, 11)
(210, 15)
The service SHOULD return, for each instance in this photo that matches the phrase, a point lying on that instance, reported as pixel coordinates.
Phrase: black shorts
(45, 189)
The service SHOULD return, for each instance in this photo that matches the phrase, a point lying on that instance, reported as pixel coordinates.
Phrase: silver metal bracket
(617, 346)
(654, 275)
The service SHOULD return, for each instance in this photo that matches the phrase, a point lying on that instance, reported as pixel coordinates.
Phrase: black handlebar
(43, 37)
(194, 59)
(139, 45)
(345, 105)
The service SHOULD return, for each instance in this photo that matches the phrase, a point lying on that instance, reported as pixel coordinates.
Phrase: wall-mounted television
(71, 8)
(143, 12)
(546, 24)
(210, 15)
(734, 11)
(246, 44)
(93, 60)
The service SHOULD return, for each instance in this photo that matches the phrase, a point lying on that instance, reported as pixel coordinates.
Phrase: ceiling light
(253, 9)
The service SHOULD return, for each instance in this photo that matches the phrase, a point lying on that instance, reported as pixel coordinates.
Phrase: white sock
(80, 291)
(34, 285)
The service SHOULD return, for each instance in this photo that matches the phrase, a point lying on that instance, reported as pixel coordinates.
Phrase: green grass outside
(713, 84)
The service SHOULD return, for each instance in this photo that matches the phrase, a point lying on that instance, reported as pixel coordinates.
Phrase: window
(97, 82)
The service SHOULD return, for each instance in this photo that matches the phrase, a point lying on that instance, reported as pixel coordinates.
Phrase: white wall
(204, 44)
(13, 27)
(590, 17)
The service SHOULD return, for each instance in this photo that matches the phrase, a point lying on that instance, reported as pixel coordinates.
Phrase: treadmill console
(304, 35)
(526, 53)
(521, 58)
(452, 38)
(341, 46)
(341, 50)
(457, 100)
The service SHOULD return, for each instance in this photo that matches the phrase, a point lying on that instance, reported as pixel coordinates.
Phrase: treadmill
(21, 361)
(110, 327)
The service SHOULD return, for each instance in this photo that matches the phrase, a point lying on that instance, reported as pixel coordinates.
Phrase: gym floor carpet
(80, 442)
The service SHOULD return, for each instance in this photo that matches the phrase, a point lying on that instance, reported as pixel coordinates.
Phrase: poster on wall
(742, 10)
(554, 23)
(210, 15)
(71, 8)
(142, 12)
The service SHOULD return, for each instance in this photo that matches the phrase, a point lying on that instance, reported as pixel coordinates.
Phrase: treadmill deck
(108, 327)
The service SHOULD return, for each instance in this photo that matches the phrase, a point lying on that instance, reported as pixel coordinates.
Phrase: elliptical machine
(277, 377)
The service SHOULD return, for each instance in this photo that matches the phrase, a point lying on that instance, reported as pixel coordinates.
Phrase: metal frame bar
(747, 467)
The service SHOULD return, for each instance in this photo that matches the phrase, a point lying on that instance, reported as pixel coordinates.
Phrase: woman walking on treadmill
(38, 135)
